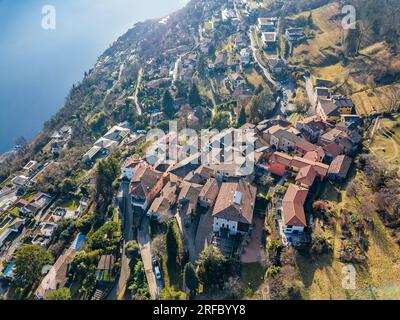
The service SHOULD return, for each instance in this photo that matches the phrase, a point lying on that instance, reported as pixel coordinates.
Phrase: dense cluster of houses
(303, 156)
(310, 152)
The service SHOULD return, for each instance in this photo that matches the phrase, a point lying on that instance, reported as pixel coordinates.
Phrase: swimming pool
(8, 271)
(78, 242)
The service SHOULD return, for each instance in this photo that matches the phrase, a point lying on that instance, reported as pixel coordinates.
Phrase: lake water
(38, 66)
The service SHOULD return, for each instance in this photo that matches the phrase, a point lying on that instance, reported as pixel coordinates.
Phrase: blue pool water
(7, 271)
(78, 242)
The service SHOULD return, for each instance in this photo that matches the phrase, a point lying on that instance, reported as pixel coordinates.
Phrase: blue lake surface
(38, 66)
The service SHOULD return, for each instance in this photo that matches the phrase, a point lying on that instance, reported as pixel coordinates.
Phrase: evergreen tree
(310, 20)
(194, 96)
(212, 267)
(168, 104)
(242, 117)
(190, 276)
(107, 172)
(353, 40)
(173, 242)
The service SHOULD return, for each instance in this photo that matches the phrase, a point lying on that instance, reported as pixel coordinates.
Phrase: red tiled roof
(293, 206)
(320, 168)
(281, 158)
(333, 149)
(226, 206)
(305, 145)
(306, 176)
(210, 190)
(340, 166)
(144, 180)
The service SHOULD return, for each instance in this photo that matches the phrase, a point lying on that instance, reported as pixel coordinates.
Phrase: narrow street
(145, 251)
(118, 292)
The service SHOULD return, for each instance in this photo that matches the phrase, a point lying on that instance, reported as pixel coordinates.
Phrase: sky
(38, 66)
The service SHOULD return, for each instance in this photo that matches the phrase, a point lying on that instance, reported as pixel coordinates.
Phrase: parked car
(157, 272)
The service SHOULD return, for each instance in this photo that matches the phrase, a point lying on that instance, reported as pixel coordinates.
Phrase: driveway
(255, 57)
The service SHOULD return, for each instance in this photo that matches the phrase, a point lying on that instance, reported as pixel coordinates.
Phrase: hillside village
(117, 224)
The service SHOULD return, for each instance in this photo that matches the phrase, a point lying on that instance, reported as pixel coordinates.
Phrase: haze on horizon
(38, 67)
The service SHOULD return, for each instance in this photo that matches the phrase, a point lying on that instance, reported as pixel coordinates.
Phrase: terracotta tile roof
(204, 172)
(58, 274)
(329, 107)
(281, 158)
(167, 198)
(332, 134)
(305, 145)
(144, 180)
(333, 149)
(311, 155)
(131, 163)
(210, 190)
(188, 197)
(236, 202)
(293, 206)
(320, 168)
(340, 166)
(306, 176)
(190, 192)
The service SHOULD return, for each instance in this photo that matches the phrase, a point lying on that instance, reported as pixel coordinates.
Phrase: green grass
(70, 204)
(252, 275)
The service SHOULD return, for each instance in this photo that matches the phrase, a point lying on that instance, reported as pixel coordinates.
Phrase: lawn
(319, 53)
(317, 50)
(386, 142)
(70, 203)
(254, 78)
(323, 278)
(252, 276)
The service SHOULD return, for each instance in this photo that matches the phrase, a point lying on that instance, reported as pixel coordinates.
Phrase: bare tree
(354, 189)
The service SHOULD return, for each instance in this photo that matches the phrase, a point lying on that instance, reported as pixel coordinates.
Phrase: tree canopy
(29, 262)
(168, 104)
(261, 107)
(194, 96)
(173, 242)
(59, 294)
(107, 171)
(191, 279)
(220, 120)
(242, 117)
(212, 267)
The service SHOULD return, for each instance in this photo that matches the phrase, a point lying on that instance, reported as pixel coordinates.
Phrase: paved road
(312, 98)
(118, 292)
(144, 240)
(139, 80)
